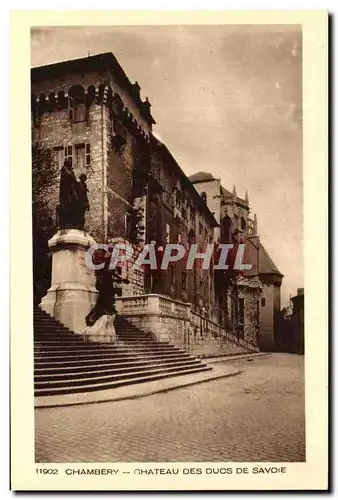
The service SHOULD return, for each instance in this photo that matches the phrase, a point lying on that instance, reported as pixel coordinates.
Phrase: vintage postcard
(169, 324)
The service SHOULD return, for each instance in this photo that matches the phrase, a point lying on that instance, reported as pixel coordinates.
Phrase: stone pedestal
(102, 331)
(72, 294)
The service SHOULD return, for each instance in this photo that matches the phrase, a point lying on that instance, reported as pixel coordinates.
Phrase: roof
(266, 264)
(226, 193)
(207, 177)
(96, 62)
(201, 177)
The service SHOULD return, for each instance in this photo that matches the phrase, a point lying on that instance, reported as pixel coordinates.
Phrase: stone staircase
(66, 363)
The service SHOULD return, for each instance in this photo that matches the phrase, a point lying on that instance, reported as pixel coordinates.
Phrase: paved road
(255, 416)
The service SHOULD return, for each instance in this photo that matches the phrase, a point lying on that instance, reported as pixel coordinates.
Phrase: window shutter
(71, 108)
(88, 158)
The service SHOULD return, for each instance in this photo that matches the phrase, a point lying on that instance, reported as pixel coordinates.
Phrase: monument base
(72, 294)
(103, 330)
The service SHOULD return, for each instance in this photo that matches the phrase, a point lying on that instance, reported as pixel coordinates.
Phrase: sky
(227, 100)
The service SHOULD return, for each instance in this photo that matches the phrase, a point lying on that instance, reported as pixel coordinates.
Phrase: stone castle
(88, 110)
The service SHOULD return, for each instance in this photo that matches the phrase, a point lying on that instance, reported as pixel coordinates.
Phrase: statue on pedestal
(73, 198)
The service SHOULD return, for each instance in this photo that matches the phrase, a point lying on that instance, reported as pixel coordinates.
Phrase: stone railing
(176, 322)
(133, 304)
(152, 303)
(210, 327)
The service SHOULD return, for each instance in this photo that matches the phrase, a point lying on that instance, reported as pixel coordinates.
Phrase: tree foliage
(44, 177)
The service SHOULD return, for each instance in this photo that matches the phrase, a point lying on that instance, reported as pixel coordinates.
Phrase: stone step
(68, 363)
(49, 330)
(86, 387)
(111, 377)
(136, 339)
(83, 365)
(98, 359)
(62, 345)
(81, 342)
(104, 350)
(55, 334)
(100, 371)
(43, 320)
(86, 343)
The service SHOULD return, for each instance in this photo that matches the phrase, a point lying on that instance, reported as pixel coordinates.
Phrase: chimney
(137, 88)
(246, 198)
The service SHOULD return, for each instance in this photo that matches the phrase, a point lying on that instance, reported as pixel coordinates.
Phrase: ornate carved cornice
(102, 94)
(101, 63)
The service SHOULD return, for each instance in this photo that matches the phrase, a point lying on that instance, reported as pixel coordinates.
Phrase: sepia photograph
(168, 243)
(172, 177)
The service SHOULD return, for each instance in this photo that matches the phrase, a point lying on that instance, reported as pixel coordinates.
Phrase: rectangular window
(88, 156)
(178, 199)
(167, 233)
(241, 311)
(184, 280)
(201, 288)
(68, 152)
(80, 157)
(172, 273)
(192, 215)
(80, 113)
(77, 109)
(234, 312)
(82, 160)
(263, 302)
(200, 228)
(71, 108)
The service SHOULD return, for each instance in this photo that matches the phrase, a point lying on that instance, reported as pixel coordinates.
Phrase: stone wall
(266, 319)
(175, 322)
(55, 130)
(212, 190)
(109, 169)
(186, 221)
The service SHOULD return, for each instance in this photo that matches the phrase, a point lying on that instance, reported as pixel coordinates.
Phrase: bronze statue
(106, 283)
(73, 198)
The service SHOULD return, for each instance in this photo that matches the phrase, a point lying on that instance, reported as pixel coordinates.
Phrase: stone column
(72, 293)
(154, 324)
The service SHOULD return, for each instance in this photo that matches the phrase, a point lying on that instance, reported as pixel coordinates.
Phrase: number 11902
(46, 471)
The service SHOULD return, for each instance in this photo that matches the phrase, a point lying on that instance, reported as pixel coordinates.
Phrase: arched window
(77, 104)
(226, 230)
(243, 224)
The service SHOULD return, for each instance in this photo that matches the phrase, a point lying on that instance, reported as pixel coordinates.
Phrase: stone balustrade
(176, 322)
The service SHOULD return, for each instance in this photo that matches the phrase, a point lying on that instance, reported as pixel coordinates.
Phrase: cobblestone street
(255, 416)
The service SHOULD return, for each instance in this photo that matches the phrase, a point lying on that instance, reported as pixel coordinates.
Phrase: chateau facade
(88, 110)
